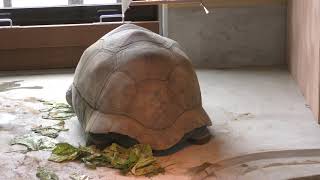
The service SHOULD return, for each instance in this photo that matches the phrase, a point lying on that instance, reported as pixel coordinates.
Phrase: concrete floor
(262, 128)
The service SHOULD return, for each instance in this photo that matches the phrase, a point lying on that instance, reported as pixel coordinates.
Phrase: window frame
(75, 14)
(8, 3)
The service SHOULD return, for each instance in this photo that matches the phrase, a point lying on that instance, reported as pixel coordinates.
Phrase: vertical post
(75, 2)
(164, 20)
(7, 3)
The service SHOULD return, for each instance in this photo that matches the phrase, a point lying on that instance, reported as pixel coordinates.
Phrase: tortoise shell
(137, 83)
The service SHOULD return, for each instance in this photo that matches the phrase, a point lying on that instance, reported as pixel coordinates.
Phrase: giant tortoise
(135, 86)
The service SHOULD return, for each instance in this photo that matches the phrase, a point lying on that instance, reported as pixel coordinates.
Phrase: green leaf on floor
(96, 160)
(34, 142)
(64, 152)
(149, 170)
(137, 160)
(56, 111)
(88, 150)
(50, 131)
(79, 177)
(45, 174)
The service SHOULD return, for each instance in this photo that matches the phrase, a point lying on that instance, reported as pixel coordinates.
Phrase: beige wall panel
(303, 44)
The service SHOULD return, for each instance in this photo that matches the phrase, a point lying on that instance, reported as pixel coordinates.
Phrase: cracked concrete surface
(253, 111)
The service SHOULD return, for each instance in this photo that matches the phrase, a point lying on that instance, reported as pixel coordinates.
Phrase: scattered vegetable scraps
(79, 177)
(34, 142)
(44, 174)
(137, 160)
(50, 131)
(57, 111)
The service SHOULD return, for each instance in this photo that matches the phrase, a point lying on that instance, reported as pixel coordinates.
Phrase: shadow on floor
(314, 177)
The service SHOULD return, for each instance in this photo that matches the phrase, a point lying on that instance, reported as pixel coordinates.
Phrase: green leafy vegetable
(96, 160)
(150, 170)
(57, 111)
(55, 115)
(88, 150)
(79, 177)
(34, 142)
(137, 160)
(44, 174)
(64, 152)
(50, 131)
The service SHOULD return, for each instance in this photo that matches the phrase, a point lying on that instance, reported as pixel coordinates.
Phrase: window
(99, 1)
(47, 12)
(37, 3)
(52, 3)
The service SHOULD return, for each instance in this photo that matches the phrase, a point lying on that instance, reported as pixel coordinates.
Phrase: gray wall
(230, 37)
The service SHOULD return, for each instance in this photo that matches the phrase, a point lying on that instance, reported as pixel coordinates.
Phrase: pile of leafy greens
(137, 160)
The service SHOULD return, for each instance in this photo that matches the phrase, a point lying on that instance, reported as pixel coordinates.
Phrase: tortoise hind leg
(200, 136)
(197, 136)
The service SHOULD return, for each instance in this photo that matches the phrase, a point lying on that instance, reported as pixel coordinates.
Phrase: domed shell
(138, 83)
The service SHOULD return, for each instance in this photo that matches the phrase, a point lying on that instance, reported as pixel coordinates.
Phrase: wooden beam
(27, 37)
(227, 3)
(55, 46)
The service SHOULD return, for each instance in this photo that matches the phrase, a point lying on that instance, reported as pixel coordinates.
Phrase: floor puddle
(6, 118)
(13, 85)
